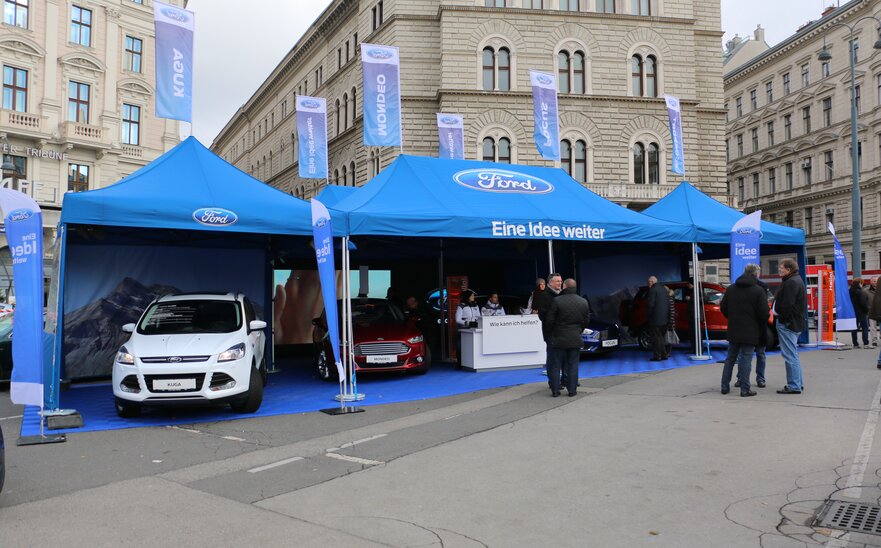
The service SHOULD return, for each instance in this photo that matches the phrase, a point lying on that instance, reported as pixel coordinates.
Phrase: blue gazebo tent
(331, 195)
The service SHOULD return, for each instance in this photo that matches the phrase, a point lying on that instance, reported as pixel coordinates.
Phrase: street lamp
(856, 215)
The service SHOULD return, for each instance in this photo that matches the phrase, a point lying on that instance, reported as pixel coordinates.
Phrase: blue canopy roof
(332, 194)
(432, 197)
(712, 220)
(191, 188)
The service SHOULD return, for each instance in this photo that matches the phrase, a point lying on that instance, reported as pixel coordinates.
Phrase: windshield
(196, 316)
(375, 312)
(5, 326)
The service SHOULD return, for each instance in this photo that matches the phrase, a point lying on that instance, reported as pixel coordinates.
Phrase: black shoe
(787, 390)
(747, 394)
(572, 394)
(725, 391)
(760, 384)
(879, 366)
(737, 384)
(555, 394)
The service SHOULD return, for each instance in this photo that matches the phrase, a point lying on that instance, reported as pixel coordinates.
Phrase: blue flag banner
(323, 238)
(174, 61)
(24, 233)
(312, 137)
(675, 116)
(451, 136)
(745, 237)
(380, 66)
(845, 317)
(547, 124)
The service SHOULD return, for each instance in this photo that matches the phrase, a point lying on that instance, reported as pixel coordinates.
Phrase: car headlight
(588, 331)
(124, 357)
(416, 339)
(236, 352)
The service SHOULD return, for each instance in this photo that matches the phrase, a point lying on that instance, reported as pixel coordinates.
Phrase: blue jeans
(789, 349)
(743, 354)
(760, 363)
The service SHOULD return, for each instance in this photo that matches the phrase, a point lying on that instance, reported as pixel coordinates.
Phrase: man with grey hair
(658, 305)
(745, 304)
(567, 317)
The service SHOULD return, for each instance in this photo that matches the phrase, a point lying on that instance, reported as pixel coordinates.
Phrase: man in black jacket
(542, 303)
(567, 317)
(860, 302)
(658, 305)
(789, 312)
(745, 304)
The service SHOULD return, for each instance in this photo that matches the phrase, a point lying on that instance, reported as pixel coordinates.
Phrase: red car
(384, 341)
(633, 313)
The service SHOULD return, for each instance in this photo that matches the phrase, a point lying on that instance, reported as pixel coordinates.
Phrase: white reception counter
(503, 342)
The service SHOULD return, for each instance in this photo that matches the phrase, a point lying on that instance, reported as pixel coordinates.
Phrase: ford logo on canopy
(20, 215)
(175, 14)
(376, 53)
(544, 79)
(496, 180)
(310, 103)
(215, 216)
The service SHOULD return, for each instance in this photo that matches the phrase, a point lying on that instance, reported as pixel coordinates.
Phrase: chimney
(760, 34)
(827, 11)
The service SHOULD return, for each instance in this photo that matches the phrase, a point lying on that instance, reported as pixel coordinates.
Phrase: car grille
(380, 348)
(604, 334)
(200, 378)
(175, 359)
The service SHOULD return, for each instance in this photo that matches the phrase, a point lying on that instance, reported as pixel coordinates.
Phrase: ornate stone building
(789, 125)
(615, 59)
(78, 97)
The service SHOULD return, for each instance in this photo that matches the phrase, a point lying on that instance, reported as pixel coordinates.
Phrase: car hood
(202, 344)
(384, 331)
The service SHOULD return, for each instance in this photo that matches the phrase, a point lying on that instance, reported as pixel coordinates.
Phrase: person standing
(745, 304)
(874, 310)
(492, 307)
(541, 302)
(567, 317)
(540, 286)
(466, 317)
(670, 335)
(789, 318)
(658, 313)
(860, 302)
(761, 347)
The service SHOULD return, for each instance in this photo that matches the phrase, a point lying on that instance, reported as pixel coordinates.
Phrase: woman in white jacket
(466, 316)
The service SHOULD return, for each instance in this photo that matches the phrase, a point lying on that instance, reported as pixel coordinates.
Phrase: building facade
(789, 132)
(614, 60)
(78, 98)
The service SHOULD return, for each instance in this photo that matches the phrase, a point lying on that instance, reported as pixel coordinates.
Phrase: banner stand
(42, 438)
(350, 387)
(697, 301)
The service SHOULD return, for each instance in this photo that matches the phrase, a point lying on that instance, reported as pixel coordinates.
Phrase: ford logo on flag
(215, 216)
(321, 222)
(449, 120)
(175, 14)
(544, 79)
(377, 53)
(20, 215)
(748, 230)
(493, 180)
(310, 103)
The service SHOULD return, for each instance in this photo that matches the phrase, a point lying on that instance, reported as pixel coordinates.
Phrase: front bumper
(206, 381)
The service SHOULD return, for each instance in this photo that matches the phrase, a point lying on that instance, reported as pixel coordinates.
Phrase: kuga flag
(451, 136)
(312, 137)
(675, 115)
(174, 61)
(544, 104)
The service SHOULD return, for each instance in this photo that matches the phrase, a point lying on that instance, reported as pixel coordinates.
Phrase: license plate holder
(610, 342)
(173, 385)
(385, 358)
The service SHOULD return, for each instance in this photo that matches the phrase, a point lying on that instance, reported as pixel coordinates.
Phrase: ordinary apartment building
(614, 61)
(789, 132)
(78, 97)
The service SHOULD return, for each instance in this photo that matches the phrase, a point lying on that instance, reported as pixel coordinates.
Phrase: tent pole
(345, 319)
(551, 256)
(696, 302)
(444, 352)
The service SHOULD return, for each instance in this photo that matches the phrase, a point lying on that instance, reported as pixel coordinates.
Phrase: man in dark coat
(745, 304)
(789, 313)
(567, 317)
(542, 303)
(860, 302)
(658, 304)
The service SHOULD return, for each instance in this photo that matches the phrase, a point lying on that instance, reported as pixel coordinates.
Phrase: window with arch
(352, 172)
(570, 72)
(336, 176)
(497, 151)
(345, 107)
(344, 178)
(496, 69)
(354, 104)
(336, 111)
(646, 163)
(644, 75)
(374, 163)
(641, 7)
(573, 159)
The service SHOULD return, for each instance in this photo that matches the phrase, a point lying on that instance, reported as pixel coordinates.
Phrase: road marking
(233, 438)
(190, 430)
(274, 464)
(356, 442)
(454, 416)
(356, 460)
(10, 418)
(861, 458)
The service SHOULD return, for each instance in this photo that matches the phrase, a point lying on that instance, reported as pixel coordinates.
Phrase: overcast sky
(237, 48)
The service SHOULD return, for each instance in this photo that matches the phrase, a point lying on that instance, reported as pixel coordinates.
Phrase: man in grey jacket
(658, 305)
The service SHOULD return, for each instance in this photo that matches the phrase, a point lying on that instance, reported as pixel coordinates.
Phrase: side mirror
(257, 325)
(129, 328)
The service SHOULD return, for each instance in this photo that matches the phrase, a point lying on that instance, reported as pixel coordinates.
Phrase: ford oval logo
(451, 120)
(20, 215)
(174, 359)
(175, 14)
(321, 222)
(494, 180)
(310, 103)
(376, 53)
(544, 79)
(215, 216)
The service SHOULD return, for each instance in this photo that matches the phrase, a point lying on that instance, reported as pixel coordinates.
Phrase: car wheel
(254, 398)
(644, 339)
(326, 371)
(263, 375)
(127, 409)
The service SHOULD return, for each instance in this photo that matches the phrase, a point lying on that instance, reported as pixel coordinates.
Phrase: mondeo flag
(312, 137)
(380, 66)
(24, 232)
(845, 317)
(547, 126)
(323, 238)
(745, 236)
(675, 116)
(451, 136)
(174, 61)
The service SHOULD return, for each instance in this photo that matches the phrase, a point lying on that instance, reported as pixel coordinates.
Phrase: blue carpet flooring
(295, 390)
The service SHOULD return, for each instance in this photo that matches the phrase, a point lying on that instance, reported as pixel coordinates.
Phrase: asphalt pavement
(642, 460)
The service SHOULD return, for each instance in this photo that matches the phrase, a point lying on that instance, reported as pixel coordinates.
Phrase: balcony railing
(21, 120)
(82, 132)
(132, 151)
(630, 192)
